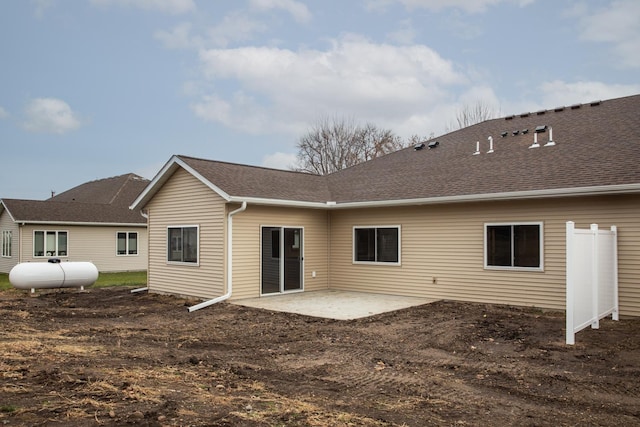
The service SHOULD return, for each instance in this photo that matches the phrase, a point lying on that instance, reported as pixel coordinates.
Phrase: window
(50, 243)
(127, 243)
(513, 245)
(182, 243)
(6, 243)
(376, 244)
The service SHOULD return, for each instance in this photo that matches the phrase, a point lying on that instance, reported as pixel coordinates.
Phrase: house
(477, 214)
(90, 222)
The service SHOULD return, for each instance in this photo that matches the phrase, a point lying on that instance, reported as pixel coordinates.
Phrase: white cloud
(235, 27)
(179, 37)
(469, 6)
(619, 24)
(285, 91)
(559, 93)
(280, 160)
(50, 115)
(166, 6)
(296, 9)
(3, 113)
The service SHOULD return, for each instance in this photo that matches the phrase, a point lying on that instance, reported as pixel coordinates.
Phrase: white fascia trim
(280, 202)
(161, 177)
(92, 224)
(513, 195)
(3, 206)
(202, 179)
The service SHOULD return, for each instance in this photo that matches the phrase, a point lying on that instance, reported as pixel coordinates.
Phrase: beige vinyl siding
(91, 243)
(185, 201)
(7, 224)
(443, 250)
(246, 248)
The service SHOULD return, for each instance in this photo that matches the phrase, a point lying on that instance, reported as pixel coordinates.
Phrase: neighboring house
(90, 222)
(462, 218)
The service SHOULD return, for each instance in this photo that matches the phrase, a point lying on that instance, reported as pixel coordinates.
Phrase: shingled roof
(118, 190)
(596, 145)
(104, 201)
(595, 150)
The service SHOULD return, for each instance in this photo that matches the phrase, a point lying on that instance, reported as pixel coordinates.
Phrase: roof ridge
(247, 165)
(128, 177)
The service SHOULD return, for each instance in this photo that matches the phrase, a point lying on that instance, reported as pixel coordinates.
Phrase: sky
(91, 89)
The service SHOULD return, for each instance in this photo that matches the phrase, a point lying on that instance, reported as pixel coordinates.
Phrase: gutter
(599, 190)
(229, 262)
(512, 195)
(91, 224)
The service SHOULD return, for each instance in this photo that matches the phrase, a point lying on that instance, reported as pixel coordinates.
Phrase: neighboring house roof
(104, 201)
(596, 151)
(117, 190)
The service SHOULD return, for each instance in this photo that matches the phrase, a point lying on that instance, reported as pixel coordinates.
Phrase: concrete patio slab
(331, 304)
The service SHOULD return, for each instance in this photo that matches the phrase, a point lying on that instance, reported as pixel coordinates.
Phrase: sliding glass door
(282, 259)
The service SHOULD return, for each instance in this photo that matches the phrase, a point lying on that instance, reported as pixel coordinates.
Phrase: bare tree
(471, 114)
(333, 144)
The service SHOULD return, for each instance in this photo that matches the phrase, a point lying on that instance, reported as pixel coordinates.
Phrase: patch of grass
(8, 408)
(125, 278)
(4, 282)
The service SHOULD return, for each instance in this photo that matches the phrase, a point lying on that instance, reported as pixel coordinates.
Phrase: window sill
(389, 264)
(50, 256)
(184, 264)
(525, 269)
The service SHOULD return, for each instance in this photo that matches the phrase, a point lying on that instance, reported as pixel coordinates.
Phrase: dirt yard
(108, 357)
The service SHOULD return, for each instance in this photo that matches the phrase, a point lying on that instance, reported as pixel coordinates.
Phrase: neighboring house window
(376, 244)
(182, 244)
(6, 243)
(50, 243)
(127, 243)
(517, 245)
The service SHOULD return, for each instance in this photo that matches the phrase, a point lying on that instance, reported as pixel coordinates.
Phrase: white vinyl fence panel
(592, 277)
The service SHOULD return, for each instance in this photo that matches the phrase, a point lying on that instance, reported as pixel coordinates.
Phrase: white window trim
(7, 243)
(168, 244)
(540, 224)
(127, 254)
(353, 245)
(33, 247)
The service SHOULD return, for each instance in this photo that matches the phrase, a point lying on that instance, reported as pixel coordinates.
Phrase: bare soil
(108, 357)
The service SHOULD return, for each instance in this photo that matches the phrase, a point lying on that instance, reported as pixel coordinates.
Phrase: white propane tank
(53, 274)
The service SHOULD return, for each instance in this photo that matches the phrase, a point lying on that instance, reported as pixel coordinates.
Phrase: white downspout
(229, 263)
